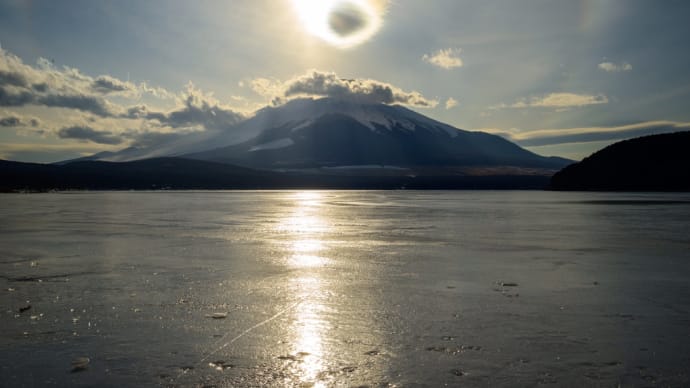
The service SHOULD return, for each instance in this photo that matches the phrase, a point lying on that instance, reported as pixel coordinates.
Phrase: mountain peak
(374, 116)
(329, 132)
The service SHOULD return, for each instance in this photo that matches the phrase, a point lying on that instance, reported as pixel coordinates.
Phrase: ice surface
(344, 289)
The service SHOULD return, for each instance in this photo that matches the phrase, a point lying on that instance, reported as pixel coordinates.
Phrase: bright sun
(342, 23)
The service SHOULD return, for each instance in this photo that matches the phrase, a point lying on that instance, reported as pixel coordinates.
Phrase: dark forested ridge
(186, 174)
(649, 163)
(143, 174)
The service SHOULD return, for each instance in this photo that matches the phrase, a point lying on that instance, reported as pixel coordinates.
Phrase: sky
(558, 77)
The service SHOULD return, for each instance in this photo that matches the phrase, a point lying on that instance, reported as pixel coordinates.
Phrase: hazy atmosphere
(344, 193)
(561, 78)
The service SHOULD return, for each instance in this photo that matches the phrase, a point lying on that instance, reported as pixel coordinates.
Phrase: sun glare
(342, 23)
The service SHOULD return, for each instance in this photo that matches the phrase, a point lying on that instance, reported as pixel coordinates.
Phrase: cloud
(10, 97)
(446, 58)
(11, 121)
(269, 88)
(611, 67)
(557, 100)
(203, 109)
(14, 79)
(89, 110)
(85, 103)
(197, 109)
(149, 139)
(147, 136)
(327, 84)
(46, 85)
(47, 153)
(21, 84)
(94, 105)
(106, 84)
(545, 137)
(88, 134)
(451, 103)
(16, 121)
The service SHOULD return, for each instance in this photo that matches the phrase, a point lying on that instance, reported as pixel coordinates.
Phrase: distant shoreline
(185, 174)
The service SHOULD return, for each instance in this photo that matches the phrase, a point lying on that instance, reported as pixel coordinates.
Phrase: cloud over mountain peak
(317, 83)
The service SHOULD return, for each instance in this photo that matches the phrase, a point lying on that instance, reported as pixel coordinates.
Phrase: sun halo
(341, 23)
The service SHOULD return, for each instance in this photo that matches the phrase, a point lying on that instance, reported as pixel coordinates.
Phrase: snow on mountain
(327, 133)
(372, 116)
(296, 114)
(308, 133)
(273, 145)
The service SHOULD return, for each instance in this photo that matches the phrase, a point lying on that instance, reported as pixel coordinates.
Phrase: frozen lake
(337, 288)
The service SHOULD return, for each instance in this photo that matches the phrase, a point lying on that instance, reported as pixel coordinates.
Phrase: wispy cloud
(611, 67)
(84, 103)
(16, 121)
(106, 84)
(134, 137)
(445, 58)
(47, 152)
(327, 84)
(87, 134)
(88, 107)
(451, 103)
(46, 85)
(197, 110)
(543, 137)
(556, 100)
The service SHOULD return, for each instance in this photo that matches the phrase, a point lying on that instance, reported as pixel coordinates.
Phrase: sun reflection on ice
(305, 253)
(306, 198)
(308, 245)
(304, 231)
(309, 329)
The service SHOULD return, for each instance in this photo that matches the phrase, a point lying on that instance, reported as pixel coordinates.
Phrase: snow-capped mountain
(309, 133)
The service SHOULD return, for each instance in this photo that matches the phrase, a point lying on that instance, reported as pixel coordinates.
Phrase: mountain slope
(307, 133)
(649, 163)
(329, 133)
(336, 139)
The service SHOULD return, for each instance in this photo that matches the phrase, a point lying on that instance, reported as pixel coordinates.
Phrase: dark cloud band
(83, 133)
